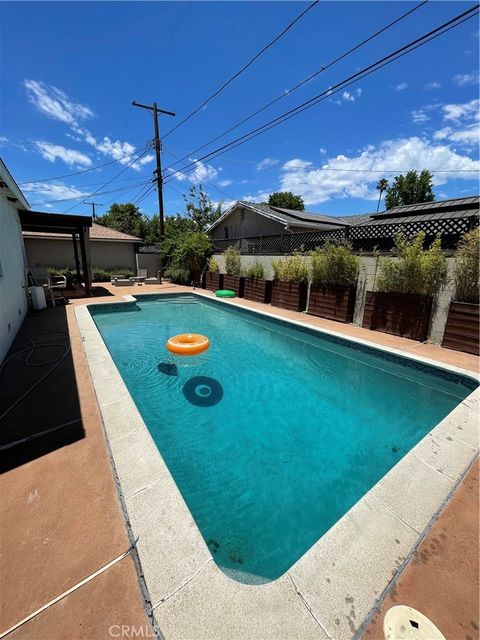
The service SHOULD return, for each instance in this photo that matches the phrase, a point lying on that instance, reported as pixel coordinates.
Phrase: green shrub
(233, 265)
(291, 269)
(192, 251)
(334, 264)
(178, 275)
(417, 270)
(255, 270)
(213, 266)
(466, 274)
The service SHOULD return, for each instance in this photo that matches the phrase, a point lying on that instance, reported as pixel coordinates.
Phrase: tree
(382, 184)
(410, 188)
(125, 218)
(200, 210)
(286, 200)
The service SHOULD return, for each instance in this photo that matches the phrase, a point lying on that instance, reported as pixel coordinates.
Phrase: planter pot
(213, 281)
(258, 289)
(334, 302)
(402, 314)
(461, 330)
(234, 283)
(289, 295)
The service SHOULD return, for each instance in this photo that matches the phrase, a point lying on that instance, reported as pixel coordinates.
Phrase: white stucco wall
(60, 253)
(13, 299)
(366, 282)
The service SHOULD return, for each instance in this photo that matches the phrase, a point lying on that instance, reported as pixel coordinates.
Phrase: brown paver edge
(410, 556)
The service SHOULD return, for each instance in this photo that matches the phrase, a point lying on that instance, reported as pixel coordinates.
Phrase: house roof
(97, 232)
(10, 187)
(422, 212)
(287, 217)
(444, 208)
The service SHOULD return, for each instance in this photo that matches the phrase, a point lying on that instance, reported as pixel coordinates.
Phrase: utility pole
(94, 204)
(159, 178)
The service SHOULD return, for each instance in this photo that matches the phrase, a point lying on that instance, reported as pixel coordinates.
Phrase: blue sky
(70, 71)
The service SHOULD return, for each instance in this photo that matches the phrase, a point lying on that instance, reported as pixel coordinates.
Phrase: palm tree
(382, 184)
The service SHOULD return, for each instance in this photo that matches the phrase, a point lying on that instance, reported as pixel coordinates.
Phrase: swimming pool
(276, 431)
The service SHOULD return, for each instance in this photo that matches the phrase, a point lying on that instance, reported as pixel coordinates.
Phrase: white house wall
(13, 299)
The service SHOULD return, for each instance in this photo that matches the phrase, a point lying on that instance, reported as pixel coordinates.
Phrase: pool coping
(334, 586)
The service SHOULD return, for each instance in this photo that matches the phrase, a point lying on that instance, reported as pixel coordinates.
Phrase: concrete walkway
(61, 516)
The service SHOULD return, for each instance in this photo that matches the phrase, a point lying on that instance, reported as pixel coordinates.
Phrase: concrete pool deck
(186, 596)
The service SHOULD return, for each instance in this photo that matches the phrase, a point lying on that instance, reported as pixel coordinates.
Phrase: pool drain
(405, 623)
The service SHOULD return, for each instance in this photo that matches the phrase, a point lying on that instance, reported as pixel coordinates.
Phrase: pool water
(274, 432)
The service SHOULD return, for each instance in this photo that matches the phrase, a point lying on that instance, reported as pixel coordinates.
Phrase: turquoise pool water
(275, 432)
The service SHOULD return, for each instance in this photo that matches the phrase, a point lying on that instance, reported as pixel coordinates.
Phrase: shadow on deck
(54, 402)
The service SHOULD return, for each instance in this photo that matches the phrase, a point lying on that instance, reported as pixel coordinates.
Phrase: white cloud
(419, 116)
(54, 191)
(323, 151)
(224, 183)
(296, 163)
(463, 123)
(199, 173)
(401, 87)
(265, 163)
(432, 85)
(318, 185)
(348, 96)
(70, 156)
(465, 79)
(3, 140)
(465, 111)
(469, 136)
(55, 103)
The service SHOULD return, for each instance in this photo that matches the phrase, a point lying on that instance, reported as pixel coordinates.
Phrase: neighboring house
(108, 248)
(13, 298)
(246, 219)
(276, 227)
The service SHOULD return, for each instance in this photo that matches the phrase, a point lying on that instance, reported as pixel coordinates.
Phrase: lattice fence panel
(363, 238)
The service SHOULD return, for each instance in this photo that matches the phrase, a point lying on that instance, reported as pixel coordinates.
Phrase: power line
(203, 179)
(434, 33)
(90, 195)
(310, 77)
(100, 193)
(77, 173)
(244, 68)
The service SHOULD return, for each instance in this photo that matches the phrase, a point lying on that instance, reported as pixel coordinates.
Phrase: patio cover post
(85, 251)
(77, 261)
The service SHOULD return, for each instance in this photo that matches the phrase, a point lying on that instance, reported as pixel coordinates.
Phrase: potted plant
(233, 280)
(334, 274)
(256, 287)
(289, 287)
(461, 330)
(213, 279)
(402, 304)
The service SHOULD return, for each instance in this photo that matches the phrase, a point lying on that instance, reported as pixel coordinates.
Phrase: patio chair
(41, 278)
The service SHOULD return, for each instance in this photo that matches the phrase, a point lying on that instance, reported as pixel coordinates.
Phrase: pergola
(78, 227)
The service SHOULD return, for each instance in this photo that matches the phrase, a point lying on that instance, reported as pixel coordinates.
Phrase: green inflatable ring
(225, 293)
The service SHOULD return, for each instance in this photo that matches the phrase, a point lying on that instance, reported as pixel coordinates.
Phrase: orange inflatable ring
(188, 344)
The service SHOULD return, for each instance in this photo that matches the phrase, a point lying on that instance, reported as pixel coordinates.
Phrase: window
(226, 233)
(242, 214)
